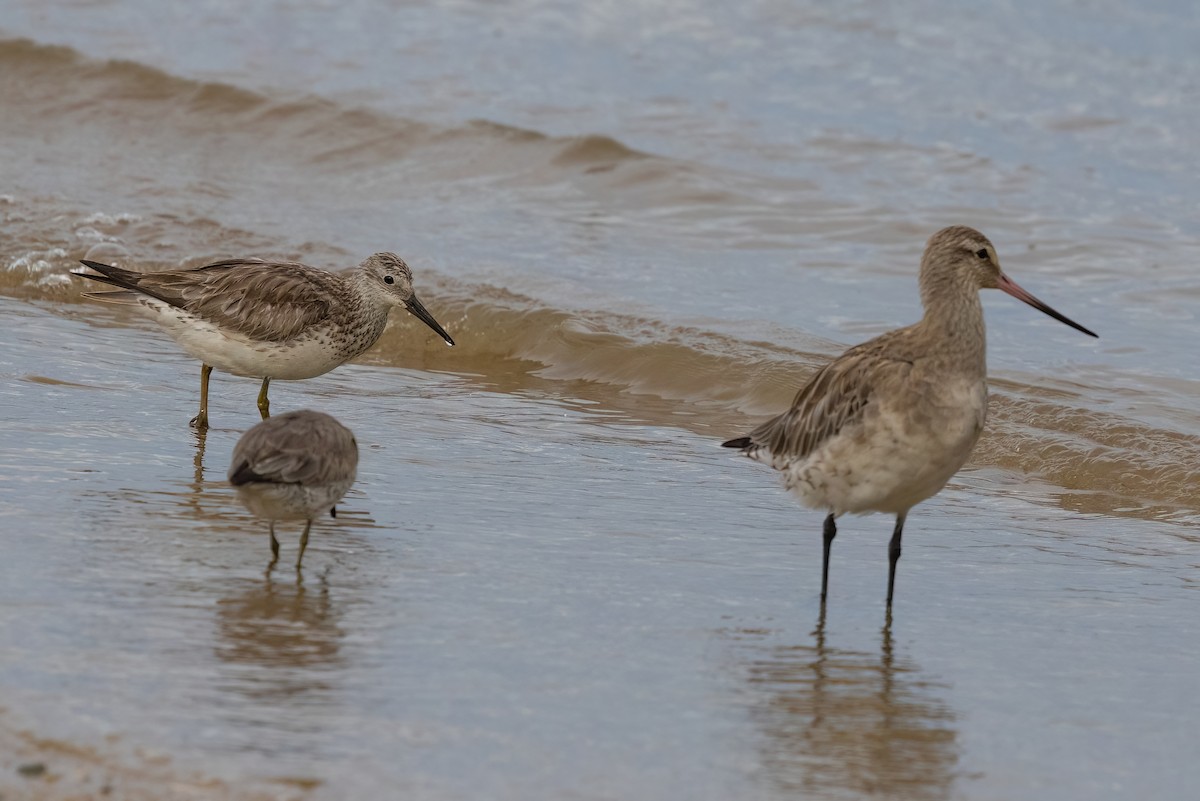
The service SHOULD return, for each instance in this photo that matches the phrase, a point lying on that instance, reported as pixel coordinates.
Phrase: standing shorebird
(886, 424)
(294, 466)
(268, 319)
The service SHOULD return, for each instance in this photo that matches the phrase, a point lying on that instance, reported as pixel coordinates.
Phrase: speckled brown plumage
(268, 319)
(885, 425)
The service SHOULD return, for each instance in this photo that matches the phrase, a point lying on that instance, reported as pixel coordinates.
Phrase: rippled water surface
(644, 224)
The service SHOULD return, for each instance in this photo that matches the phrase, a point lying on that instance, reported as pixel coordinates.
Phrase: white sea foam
(37, 261)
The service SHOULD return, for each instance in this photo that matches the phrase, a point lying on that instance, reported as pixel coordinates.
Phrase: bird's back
(301, 447)
(249, 298)
(294, 465)
(832, 400)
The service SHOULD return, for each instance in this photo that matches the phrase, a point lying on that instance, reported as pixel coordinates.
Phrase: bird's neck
(955, 319)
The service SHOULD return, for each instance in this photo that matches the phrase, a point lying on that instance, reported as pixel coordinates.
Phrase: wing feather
(833, 400)
(261, 300)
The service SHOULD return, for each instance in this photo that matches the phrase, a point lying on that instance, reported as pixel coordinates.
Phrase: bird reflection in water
(197, 486)
(840, 722)
(285, 626)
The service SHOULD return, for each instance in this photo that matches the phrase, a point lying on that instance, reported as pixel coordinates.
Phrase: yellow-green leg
(303, 543)
(264, 403)
(200, 421)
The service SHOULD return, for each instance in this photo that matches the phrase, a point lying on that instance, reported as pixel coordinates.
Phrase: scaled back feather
(262, 300)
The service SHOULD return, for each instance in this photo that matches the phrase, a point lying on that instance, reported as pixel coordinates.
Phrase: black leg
(830, 533)
(893, 558)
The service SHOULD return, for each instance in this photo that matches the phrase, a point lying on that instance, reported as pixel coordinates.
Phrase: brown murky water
(644, 225)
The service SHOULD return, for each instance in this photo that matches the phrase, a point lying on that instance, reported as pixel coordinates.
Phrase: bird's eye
(982, 253)
(387, 279)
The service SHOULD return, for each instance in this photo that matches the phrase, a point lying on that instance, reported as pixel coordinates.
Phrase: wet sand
(56, 770)
(550, 581)
(601, 592)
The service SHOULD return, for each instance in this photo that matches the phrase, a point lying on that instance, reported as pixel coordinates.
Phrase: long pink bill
(1010, 286)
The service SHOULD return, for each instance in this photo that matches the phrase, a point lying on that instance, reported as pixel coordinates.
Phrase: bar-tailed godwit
(294, 466)
(886, 424)
(268, 319)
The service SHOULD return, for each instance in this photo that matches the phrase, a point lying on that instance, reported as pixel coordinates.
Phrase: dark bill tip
(1011, 287)
(419, 311)
(1042, 307)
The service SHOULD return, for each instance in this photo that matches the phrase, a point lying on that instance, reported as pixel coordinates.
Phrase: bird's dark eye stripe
(982, 253)
(387, 279)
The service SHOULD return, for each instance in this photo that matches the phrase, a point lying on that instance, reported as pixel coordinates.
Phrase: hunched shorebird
(294, 466)
(886, 424)
(267, 319)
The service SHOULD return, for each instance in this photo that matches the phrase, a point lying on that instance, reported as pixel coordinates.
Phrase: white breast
(304, 357)
(903, 451)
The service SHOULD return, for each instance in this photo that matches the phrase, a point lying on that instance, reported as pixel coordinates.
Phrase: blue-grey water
(645, 224)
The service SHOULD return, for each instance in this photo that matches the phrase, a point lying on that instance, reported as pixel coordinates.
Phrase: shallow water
(645, 225)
